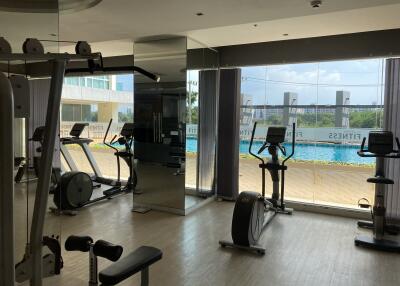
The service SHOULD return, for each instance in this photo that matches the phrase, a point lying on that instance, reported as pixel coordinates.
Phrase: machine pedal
(364, 203)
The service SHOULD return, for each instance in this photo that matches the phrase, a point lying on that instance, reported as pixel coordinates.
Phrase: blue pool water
(305, 151)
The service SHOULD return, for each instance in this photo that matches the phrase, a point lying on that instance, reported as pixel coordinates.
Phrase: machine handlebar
(363, 152)
(266, 145)
(251, 144)
(293, 144)
(112, 140)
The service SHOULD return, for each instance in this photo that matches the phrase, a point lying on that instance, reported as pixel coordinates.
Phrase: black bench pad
(134, 262)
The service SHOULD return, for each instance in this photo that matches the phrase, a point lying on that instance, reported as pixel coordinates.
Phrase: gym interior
(199, 142)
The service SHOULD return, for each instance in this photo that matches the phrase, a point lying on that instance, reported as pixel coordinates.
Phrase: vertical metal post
(263, 181)
(379, 204)
(144, 277)
(46, 161)
(6, 183)
(92, 268)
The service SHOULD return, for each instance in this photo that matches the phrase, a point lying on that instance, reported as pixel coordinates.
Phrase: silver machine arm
(6, 182)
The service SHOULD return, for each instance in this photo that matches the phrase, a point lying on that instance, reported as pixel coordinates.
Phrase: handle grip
(282, 148)
(107, 250)
(398, 144)
(78, 243)
(363, 145)
(108, 130)
(112, 140)
(263, 147)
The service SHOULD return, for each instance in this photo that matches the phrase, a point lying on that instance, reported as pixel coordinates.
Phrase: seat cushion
(380, 180)
(134, 262)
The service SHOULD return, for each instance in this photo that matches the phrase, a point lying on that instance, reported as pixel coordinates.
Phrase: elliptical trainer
(380, 146)
(75, 189)
(253, 211)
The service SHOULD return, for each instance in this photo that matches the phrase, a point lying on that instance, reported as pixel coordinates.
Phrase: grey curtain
(39, 92)
(207, 131)
(228, 134)
(392, 123)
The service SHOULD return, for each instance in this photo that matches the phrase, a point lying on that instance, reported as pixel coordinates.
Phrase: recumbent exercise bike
(253, 211)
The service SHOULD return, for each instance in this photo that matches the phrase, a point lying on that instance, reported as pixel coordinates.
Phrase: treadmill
(75, 138)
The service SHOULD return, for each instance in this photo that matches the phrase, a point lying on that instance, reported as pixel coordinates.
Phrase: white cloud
(310, 77)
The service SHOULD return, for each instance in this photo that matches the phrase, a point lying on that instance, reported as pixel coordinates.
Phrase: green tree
(365, 119)
(192, 107)
(125, 116)
(274, 120)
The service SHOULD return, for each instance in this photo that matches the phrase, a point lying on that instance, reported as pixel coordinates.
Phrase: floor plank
(302, 249)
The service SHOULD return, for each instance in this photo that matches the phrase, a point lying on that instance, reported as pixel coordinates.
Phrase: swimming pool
(305, 151)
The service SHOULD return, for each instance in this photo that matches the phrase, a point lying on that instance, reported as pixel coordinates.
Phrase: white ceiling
(112, 25)
(343, 22)
(227, 22)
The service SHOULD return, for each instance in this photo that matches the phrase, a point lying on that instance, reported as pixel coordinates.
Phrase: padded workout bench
(137, 261)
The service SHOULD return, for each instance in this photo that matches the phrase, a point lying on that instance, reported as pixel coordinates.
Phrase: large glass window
(192, 109)
(96, 100)
(101, 82)
(334, 105)
(125, 113)
(78, 112)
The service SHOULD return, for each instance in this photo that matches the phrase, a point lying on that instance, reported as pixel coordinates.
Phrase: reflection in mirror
(202, 79)
(159, 116)
(30, 102)
(17, 27)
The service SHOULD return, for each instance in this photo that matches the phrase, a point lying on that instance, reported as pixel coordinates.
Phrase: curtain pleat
(392, 123)
(207, 131)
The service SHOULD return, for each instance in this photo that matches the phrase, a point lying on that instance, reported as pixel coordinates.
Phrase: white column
(289, 113)
(342, 113)
(108, 110)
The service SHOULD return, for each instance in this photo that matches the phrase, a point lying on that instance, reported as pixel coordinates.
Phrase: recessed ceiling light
(316, 3)
(199, 14)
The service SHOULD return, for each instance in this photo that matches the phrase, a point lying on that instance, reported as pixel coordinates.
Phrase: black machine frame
(117, 188)
(380, 146)
(253, 209)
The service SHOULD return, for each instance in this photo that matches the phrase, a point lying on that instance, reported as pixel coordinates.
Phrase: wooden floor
(303, 249)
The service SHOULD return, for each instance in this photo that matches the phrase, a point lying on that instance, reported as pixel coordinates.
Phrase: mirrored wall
(175, 160)
(201, 130)
(160, 123)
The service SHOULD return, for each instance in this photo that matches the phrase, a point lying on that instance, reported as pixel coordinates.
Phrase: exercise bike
(75, 189)
(380, 146)
(253, 211)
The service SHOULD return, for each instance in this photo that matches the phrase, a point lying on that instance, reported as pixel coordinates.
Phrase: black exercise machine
(380, 146)
(253, 211)
(138, 260)
(76, 139)
(75, 189)
(37, 138)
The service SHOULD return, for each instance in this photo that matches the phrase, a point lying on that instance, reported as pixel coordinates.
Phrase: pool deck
(338, 185)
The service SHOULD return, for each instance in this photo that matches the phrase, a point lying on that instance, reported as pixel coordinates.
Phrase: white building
(97, 99)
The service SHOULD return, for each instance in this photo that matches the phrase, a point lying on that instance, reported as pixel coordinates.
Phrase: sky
(315, 83)
(126, 80)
